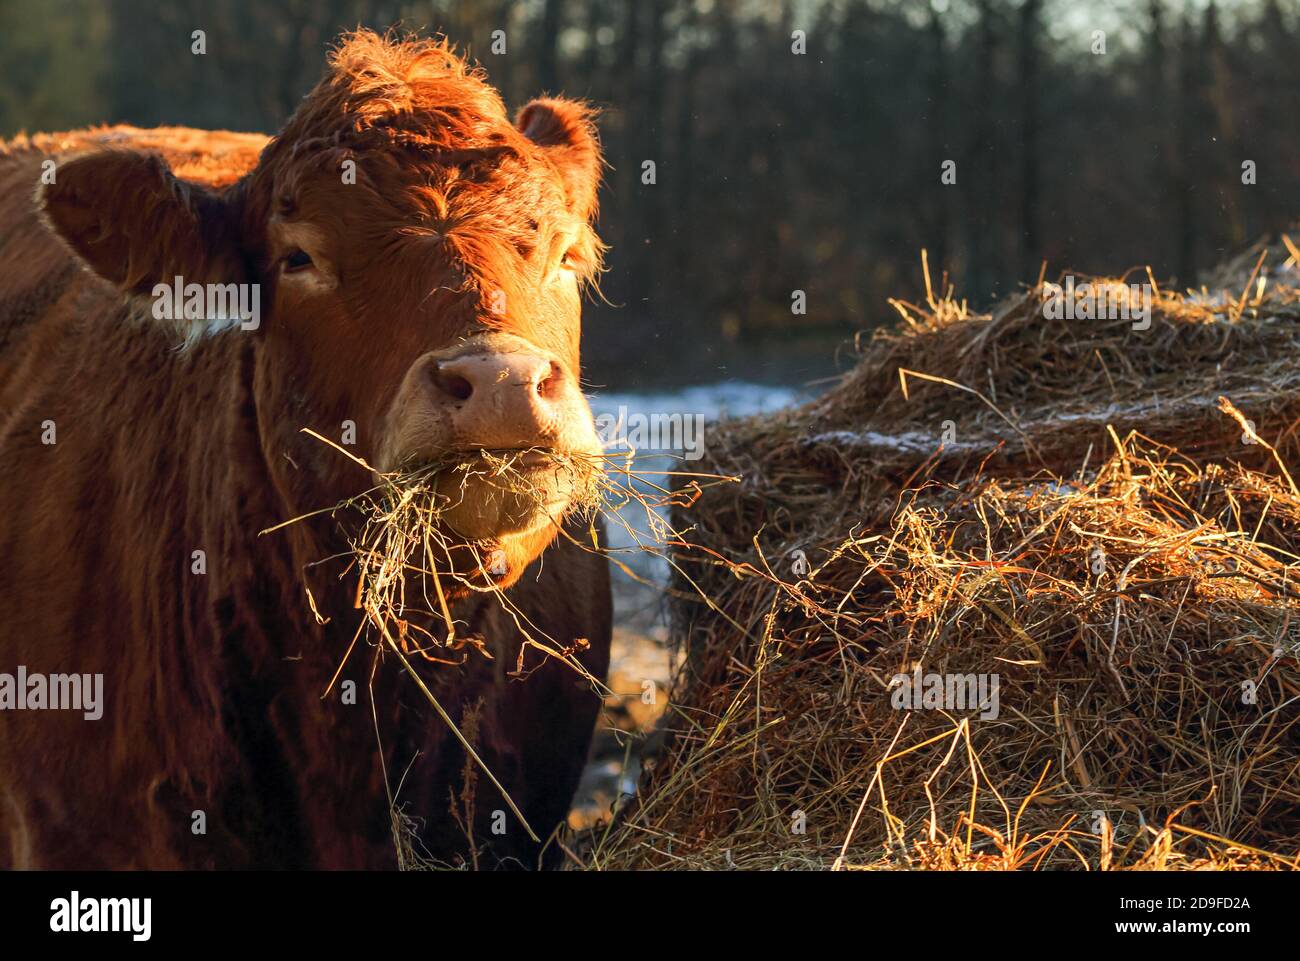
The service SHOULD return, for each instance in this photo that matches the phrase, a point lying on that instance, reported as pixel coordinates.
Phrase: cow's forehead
(429, 185)
(488, 218)
(417, 96)
(425, 131)
(402, 152)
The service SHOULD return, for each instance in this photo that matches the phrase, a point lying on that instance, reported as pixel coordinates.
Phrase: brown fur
(213, 683)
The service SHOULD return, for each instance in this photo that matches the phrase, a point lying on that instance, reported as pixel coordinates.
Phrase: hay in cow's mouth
(407, 564)
(410, 562)
(402, 552)
(489, 494)
(433, 531)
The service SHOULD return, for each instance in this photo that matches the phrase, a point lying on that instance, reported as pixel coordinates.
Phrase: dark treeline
(777, 171)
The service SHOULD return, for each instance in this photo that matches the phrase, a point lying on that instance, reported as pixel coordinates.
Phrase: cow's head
(420, 262)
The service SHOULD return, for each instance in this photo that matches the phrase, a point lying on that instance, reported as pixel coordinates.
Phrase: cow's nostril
(453, 385)
(549, 385)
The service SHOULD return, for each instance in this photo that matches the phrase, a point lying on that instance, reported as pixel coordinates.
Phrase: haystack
(1081, 536)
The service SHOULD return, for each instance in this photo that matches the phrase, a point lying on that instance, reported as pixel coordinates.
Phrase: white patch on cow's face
(196, 311)
(317, 275)
(216, 323)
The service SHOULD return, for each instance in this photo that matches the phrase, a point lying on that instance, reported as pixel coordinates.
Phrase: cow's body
(215, 683)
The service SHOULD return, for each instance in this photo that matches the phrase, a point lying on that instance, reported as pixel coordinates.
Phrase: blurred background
(777, 171)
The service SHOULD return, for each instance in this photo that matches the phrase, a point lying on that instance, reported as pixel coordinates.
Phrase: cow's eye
(298, 260)
(569, 259)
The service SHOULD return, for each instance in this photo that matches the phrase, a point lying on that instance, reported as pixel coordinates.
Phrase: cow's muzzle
(506, 427)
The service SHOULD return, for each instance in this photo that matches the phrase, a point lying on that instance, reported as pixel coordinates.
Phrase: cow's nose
(499, 400)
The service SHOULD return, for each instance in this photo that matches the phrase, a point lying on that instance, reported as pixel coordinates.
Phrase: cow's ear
(568, 131)
(137, 225)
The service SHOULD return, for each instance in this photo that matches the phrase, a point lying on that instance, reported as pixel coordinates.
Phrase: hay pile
(1065, 507)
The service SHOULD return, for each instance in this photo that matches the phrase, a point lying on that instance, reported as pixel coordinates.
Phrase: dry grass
(1135, 602)
(409, 564)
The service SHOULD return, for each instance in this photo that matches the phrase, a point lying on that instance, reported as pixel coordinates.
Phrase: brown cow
(418, 262)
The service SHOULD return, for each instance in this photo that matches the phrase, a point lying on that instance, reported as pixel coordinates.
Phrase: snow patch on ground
(731, 398)
(632, 528)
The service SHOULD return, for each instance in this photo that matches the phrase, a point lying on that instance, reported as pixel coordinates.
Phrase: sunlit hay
(1136, 603)
(1120, 692)
(405, 558)
(408, 560)
(1024, 391)
(406, 564)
